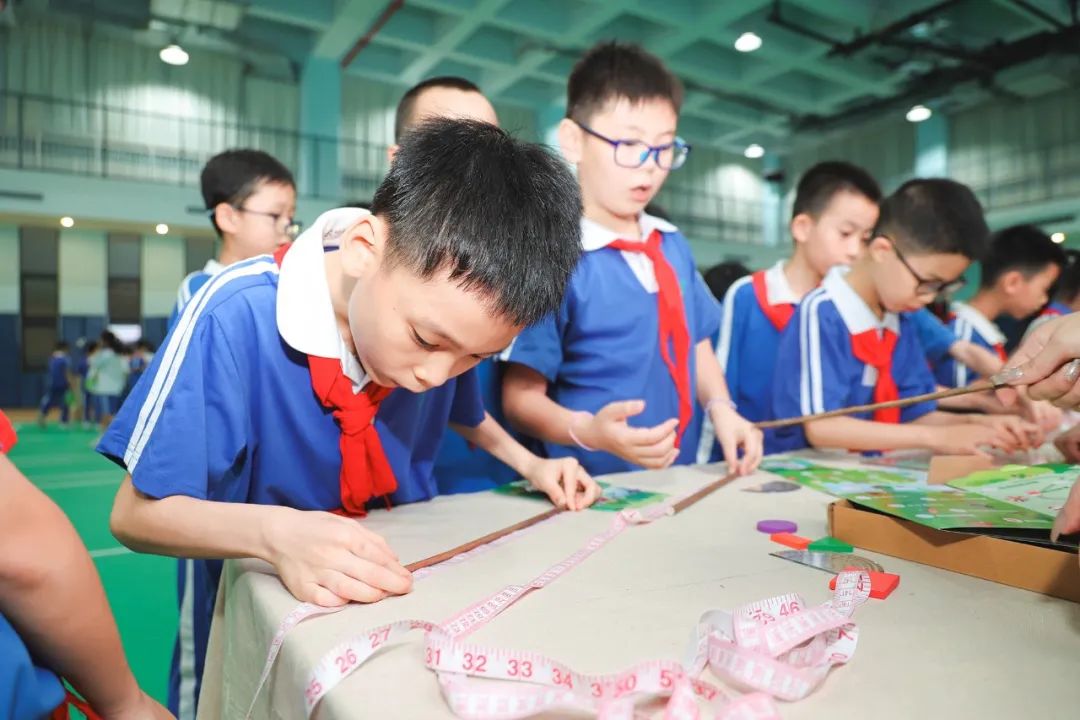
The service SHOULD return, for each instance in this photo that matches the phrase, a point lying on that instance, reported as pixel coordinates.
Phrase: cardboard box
(1041, 569)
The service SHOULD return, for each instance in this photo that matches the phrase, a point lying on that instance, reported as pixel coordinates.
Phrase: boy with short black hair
(250, 198)
(835, 208)
(444, 96)
(611, 378)
(851, 341)
(267, 389)
(1019, 269)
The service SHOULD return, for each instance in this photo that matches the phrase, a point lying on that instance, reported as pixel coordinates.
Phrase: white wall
(162, 270)
(9, 269)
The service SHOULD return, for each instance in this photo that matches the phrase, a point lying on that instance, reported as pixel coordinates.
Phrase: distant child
(264, 422)
(250, 198)
(849, 342)
(835, 208)
(1021, 265)
(106, 377)
(614, 376)
(58, 384)
(445, 96)
(720, 277)
(82, 370)
(1066, 292)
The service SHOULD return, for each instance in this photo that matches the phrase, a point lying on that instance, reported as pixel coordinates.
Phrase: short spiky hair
(823, 181)
(403, 118)
(612, 70)
(234, 175)
(1023, 247)
(935, 215)
(501, 215)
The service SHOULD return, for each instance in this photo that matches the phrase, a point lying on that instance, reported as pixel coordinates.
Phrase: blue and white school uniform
(755, 311)
(190, 285)
(28, 691)
(935, 336)
(1051, 312)
(820, 371)
(226, 412)
(603, 344)
(968, 324)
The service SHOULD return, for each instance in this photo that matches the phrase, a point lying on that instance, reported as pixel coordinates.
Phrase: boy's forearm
(711, 384)
(940, 418)
(182, 526)
(529, 409)
(51, 593)
(979, 359)
(491, 436)
(853, 434)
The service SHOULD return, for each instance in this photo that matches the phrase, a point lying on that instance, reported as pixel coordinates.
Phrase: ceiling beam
(449, 40)
(352, 16)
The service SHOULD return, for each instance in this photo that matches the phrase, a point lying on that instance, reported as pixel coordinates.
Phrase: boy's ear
(879, 248)
(571, 140)
(1011, 282)
(362, 246)
(801, 226)
(227, 218)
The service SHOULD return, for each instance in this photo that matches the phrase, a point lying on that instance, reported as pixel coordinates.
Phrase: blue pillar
(772, 202)
(320, 125)
(932, 146)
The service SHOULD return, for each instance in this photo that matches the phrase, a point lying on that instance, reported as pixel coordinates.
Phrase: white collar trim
(856, 314)
(777, 288)
(305, 314)
(595, 236)
(982, 324)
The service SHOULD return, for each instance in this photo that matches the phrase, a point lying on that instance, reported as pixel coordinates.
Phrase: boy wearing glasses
(852, 341)
(1017, 274)
(613, 376)
(835, 208)
(251, 200)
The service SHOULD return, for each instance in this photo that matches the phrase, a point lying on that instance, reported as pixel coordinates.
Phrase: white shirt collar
(595, 236)
(212, 267)
(305, 314)
(856, 314)
(777, 288)
(982, 324)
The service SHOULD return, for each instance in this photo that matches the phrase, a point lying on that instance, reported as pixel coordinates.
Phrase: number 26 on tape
(346, 661)
(474, 663)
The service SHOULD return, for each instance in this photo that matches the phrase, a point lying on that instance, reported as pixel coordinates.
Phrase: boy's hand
(1013, 432)
(331, 560)
(564, 481)
(1042, 413)
(964, 439)
(607, 430)
(733, 431)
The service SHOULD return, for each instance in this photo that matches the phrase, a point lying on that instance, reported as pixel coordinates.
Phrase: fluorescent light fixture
(67, 221)
(162, 229)
(748, 42)
(1058, 237)
(754, 151)
(173, 55)
(918, 113)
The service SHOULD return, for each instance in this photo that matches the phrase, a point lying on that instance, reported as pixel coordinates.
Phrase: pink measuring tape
(777, 647)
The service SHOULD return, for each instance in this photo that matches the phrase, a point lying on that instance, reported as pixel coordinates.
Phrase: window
(39, 292)
(125, 265)
(197, 251)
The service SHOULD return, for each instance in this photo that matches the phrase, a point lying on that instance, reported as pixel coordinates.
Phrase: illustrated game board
(612, 499)
(1039, 488)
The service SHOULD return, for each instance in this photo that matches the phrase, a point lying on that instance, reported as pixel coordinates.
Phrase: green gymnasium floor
(141, 588)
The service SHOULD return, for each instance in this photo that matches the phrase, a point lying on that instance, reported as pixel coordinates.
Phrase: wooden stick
(703, 492)
(490, 537)
(903, 402)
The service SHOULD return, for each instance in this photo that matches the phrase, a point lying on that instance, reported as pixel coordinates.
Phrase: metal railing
(1014, 176)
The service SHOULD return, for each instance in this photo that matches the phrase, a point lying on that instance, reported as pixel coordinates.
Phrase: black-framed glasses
(927, 287)
(284, 224)
(635, 153)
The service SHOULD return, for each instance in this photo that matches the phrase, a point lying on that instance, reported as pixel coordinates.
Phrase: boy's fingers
(653, 435)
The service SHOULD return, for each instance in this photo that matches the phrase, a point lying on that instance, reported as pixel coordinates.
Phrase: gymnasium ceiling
(822, 63)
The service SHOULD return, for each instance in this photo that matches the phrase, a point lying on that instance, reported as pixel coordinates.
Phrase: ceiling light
(173, 55)
(162, 229)
(1058, 237)
(67, 221)
(748, 42)
(918, 113)
(754, 151)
